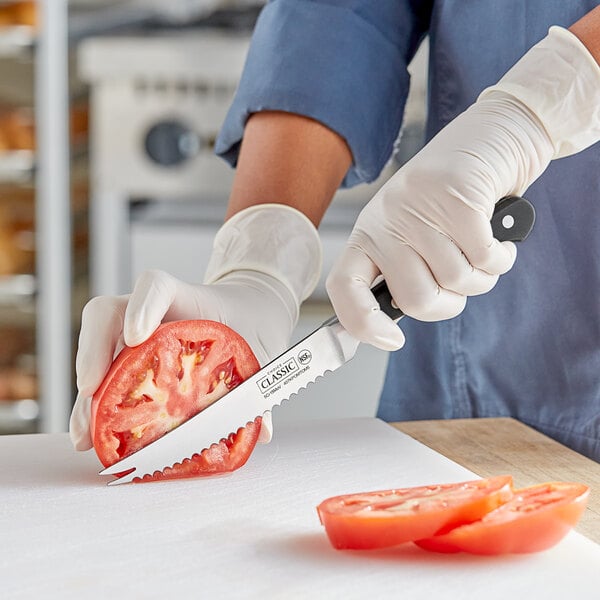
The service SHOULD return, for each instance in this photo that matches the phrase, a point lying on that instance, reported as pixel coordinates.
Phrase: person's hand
(427, 231)
(265, 261)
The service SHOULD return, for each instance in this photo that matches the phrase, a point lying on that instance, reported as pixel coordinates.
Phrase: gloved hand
(427, 231)
(265, 261)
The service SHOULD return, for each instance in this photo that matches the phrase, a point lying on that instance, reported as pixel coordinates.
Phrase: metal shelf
(19, 415)
(17, 166)
(18, 297)
(17, 301)
(16, 289)
(16, 41)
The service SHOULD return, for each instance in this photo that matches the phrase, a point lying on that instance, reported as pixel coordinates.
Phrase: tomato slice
(536, 518)
(392, 517)
(154, 387)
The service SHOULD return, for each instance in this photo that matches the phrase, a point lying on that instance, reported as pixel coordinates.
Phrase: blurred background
(108, 115)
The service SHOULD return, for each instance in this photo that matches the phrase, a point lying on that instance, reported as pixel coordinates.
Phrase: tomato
(154, 387)
(535, 519)
(392, 517)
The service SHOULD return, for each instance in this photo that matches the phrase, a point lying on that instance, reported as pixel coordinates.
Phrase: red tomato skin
(367, 529)
(218, 459)
(111, 435)
(508, 531)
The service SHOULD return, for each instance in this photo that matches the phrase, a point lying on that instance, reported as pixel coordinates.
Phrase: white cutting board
(251, 534)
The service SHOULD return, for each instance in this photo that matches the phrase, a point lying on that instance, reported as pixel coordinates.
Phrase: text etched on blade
(284, 372)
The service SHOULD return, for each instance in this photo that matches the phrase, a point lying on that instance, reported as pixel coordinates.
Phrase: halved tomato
(535, 519)
(392, 517)
(154, 387)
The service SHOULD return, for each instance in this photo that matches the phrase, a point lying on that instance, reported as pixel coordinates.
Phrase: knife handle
(512, 221)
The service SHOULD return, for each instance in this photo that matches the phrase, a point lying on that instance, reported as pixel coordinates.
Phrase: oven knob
(171, 143)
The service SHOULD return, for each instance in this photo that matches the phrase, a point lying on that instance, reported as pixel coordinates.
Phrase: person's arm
(289, 159)
(587, 29)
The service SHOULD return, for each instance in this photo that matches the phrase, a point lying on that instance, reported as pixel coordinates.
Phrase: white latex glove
(427, 231)
(265, 261)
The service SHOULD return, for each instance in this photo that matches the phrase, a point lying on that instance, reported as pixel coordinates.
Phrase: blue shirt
(530, 348)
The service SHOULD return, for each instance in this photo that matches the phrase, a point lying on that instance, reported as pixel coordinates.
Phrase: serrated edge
(118, 481)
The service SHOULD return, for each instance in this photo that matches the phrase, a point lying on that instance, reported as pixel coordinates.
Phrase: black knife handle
(512, 221)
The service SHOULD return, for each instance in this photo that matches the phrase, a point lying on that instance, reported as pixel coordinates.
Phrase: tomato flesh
(535, 519)
(392, 517)
(152, 388)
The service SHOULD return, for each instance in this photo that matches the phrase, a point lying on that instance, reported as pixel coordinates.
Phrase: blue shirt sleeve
(340, 62)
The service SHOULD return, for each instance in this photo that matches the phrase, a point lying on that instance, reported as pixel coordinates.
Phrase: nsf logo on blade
(304, 357)
(284, 372)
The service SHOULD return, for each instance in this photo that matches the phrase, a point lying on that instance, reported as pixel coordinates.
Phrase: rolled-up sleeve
(342, 63)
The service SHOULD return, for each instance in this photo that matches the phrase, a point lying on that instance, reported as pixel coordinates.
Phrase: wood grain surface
(505, 446)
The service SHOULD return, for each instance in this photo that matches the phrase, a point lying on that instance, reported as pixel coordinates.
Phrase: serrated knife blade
(326, 349)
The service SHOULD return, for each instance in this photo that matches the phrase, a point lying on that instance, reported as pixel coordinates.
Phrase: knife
(326, 349)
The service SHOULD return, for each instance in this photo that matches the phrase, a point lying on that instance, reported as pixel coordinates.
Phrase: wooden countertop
(505, 446)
